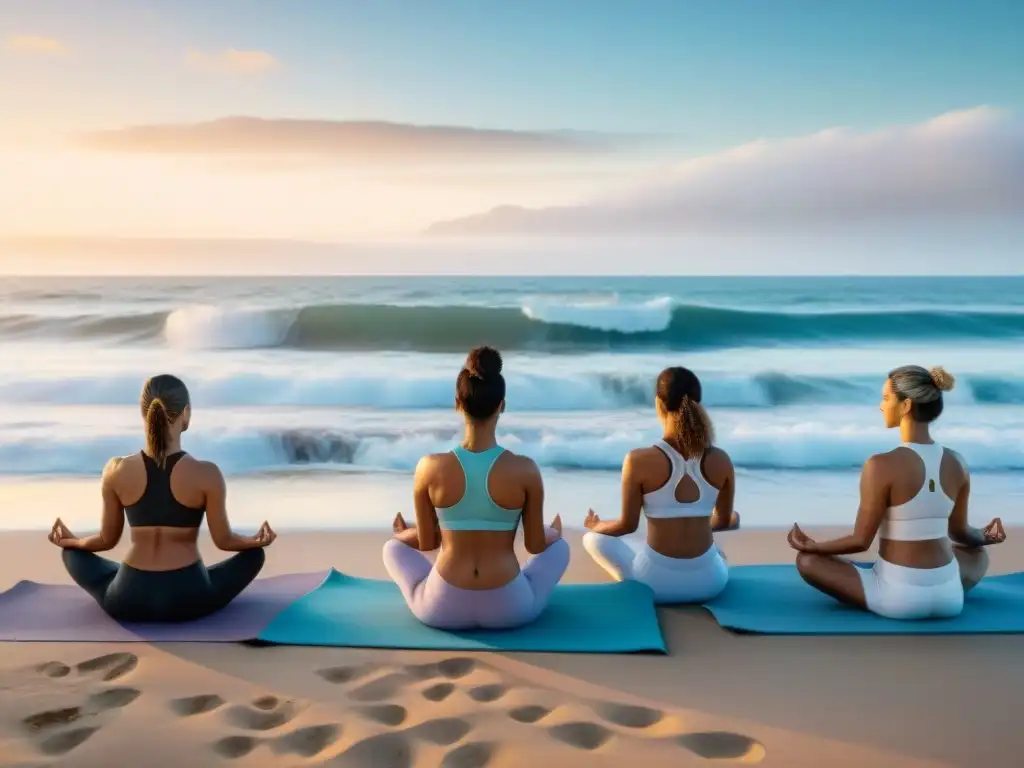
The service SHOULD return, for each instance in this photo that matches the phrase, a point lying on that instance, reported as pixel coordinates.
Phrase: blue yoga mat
(368, 613)
(773, 599)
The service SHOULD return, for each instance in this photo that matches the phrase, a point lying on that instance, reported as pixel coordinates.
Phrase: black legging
(184, 594)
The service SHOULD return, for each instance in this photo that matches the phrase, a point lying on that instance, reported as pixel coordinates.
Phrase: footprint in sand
(451, 668)
(61, 743)
(386, 750)
(266, 703)
(382, 688)
(112, 666)
(302, 742)
(475, 754)
(530, 713)
(196, 705)
(308, 741)
(53, 717)
(723, 745)
(113, 698)
(438, 692)
(265, 714)
(628, 716)
(54, 669)
(342, 675)
(487, 693)
(444, 731)
(582, 735)
(260, 715)
(234, 747)
(456, 667)
(385, 714)
(58, 731)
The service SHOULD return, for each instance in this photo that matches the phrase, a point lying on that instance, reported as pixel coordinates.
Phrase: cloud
(232, 61)
(959, 165)
(35, 45)
(367, 142)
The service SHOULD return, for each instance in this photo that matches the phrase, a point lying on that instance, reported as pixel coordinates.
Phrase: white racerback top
(663, 503)
(926, 516)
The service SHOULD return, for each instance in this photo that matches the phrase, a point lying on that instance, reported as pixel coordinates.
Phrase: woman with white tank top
(686, 487)
(914, 498)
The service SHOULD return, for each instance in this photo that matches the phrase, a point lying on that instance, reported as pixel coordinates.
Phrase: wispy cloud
(36, 45)
(962, 164)
(232, 61)
(363, 142)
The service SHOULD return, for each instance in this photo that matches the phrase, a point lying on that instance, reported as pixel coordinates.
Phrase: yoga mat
(57, 612)
(367, 613)
(773, 599)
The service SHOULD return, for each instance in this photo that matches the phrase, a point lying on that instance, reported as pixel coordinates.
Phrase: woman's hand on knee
(800, 541)
(994, 532)
(265, 536)
(60, 535)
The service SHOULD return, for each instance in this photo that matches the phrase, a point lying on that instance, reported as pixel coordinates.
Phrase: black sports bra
(158, 505)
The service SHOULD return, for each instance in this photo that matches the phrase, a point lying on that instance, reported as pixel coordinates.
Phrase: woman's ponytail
(157, 428)
(693, 428)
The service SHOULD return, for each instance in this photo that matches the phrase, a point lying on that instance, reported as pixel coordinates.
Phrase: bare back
(479, 559)
(648, 470)
(161, 547)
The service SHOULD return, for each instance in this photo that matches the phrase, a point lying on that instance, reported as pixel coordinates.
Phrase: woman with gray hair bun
(914, 498)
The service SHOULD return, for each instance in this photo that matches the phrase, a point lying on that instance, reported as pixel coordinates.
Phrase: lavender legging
(438, 604)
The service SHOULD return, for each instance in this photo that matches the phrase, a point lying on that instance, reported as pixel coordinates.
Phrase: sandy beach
(716, 698)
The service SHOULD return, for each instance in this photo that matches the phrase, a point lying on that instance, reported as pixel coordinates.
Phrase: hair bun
(942, 378)
(484, 363)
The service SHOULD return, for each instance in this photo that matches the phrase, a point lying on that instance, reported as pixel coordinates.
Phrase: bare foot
(398, 524)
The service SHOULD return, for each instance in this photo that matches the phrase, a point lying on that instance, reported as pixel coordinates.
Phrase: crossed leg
(836, 577)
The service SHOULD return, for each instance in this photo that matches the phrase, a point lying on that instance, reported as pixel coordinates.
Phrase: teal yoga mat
(368, 613)
(774, 600)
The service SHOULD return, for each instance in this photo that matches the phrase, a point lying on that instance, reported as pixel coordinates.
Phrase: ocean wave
(658, 324)
(423, 389)
(800, 446)
(654, 316)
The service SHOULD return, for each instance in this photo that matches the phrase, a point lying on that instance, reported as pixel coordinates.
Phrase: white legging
(674, 580)
(898, 592)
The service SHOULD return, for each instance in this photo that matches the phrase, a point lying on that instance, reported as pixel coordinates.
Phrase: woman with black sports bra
(164, 493)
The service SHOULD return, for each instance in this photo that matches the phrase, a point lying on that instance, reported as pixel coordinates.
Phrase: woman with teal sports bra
(469, 502)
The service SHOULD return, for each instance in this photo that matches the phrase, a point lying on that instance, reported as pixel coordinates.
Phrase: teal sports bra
(476, 511)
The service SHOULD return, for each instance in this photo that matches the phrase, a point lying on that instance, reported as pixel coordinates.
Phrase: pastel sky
(342, 119)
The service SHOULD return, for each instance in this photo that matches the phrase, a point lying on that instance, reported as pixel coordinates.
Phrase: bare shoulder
(522, 465)
(430, 461)
(881, 466)
(430, 467)
(113, 466)
(718, 461)
(640, 458)
(120, 466)
(206, 472)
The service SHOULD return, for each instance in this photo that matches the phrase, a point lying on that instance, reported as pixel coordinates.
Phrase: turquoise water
(347, 375)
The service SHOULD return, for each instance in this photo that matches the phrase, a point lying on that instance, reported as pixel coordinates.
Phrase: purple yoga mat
(65, 613)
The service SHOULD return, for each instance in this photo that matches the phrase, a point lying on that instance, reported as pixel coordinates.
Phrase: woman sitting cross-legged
(469, 502)
(164, 493)
(686, 488)
(914, 498)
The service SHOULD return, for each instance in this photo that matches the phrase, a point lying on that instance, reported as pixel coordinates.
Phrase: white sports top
(663, 503)
(926, 516)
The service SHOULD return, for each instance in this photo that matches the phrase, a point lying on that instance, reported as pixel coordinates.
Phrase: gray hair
(923, 388)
